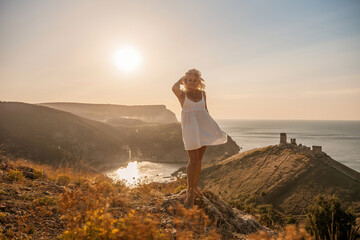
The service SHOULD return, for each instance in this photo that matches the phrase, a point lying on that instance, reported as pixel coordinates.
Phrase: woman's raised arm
(176, 88)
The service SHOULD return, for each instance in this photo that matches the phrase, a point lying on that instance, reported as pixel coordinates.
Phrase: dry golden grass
(52, 172)
(291, 232)
(89, 213)
(14, 175)
(100, 209)
(94, 207)
(193, 223)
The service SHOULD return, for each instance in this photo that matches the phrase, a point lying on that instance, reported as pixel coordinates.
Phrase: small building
(283, 139)
(317, 149)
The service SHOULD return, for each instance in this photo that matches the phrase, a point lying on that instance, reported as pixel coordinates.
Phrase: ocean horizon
(340, 139)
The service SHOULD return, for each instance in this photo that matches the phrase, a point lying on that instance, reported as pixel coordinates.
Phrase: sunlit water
(144, 172)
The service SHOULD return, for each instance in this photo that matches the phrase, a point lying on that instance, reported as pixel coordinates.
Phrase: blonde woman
(199, 129)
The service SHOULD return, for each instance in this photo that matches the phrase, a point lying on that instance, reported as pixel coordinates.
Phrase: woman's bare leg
(191, 173)
(198, 169)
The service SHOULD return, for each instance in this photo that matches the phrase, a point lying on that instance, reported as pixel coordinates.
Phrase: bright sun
(127, 58)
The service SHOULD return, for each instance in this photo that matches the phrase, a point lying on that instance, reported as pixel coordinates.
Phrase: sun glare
(127, 59)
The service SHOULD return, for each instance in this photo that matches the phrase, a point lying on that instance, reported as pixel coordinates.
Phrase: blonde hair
(197, 74)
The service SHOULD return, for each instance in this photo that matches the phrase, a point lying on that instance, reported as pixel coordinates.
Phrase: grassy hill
(38, 202)
(56, 137)
(288, 177)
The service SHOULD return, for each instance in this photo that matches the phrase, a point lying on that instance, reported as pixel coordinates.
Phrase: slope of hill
(55, 137)
(35, 204)
(287, 176)
(118, 115)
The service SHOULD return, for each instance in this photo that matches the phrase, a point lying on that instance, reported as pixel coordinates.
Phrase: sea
(338, 139)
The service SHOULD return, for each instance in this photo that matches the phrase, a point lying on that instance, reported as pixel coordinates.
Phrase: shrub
(53, 179)
(290, 220)
(2, 217)
(251, 200)
(26, 197)
(45, 201)
(179, 188)
(14, 175)
(38, 174)
(237, 204)
(105, 188)
(63, 180)
(292, 232)
(250, 208)
(327, 220)
(268, 216)
(80, 180)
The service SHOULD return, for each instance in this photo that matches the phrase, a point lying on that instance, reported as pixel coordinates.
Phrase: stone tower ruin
(317, 149)
(282, 139)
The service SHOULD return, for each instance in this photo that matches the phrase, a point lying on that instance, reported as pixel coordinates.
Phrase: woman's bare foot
(189, 199)
(197, 192)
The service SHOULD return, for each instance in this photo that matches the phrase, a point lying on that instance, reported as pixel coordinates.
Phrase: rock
(25, 188)
(230, 222)
(29, 175)
(3, 164)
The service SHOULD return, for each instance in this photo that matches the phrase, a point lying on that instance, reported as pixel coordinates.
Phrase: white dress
(198, 127)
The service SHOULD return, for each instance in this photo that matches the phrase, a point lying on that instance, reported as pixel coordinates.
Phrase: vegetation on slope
(38, 201)
(287, 177)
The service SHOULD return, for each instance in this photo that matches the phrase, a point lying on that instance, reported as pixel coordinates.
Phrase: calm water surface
(143, 172)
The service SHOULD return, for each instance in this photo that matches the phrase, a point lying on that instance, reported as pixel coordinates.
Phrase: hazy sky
(260, 59)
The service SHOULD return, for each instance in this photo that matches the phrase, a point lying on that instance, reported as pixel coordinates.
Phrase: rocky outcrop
(230, 222)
